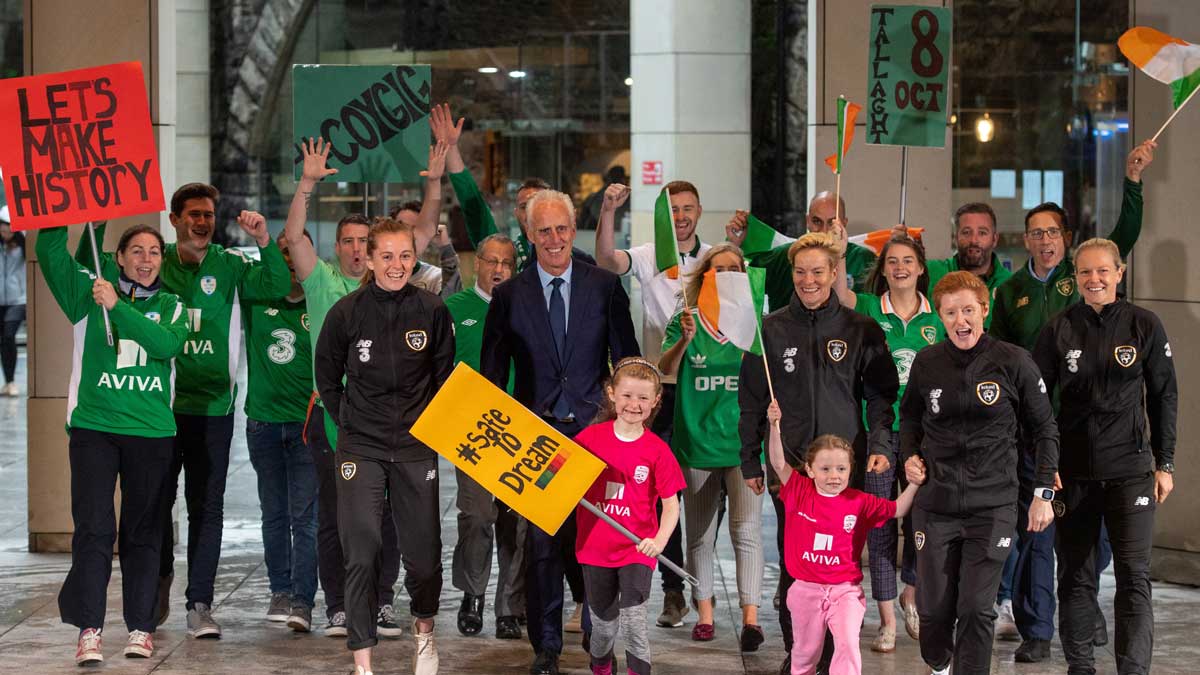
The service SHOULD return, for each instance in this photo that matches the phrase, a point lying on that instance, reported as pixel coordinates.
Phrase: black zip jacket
(1113, 370)
(394, 349)
(824, 364)
(961, 413)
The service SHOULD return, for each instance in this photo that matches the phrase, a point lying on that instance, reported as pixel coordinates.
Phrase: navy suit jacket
(517, 331)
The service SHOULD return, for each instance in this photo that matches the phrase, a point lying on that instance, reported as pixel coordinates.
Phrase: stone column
(63, 35)
(871, 174)
(1163, 278)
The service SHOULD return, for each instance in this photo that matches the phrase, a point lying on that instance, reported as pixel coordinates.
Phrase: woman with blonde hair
(706, 444)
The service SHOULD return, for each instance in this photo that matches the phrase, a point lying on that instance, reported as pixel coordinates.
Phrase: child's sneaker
(87, 650)
(140, 645)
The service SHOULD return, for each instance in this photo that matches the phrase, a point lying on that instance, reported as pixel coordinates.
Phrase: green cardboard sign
(908, 75)
(376, 117)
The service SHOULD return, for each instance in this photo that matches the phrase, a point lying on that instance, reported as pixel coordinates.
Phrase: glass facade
(1041, 111)
(543, 86)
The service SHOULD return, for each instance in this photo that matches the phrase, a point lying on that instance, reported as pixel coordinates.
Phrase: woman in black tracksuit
(1111, 366)
(959, 417)
(393, 344)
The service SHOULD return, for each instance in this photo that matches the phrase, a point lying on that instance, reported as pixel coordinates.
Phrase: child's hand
(914, 470)
(774, 414)
(649, 547)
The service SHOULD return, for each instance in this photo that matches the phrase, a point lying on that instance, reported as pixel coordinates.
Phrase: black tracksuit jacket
(395, 350)
(1113, 370)
(961, 413)
(825, 363)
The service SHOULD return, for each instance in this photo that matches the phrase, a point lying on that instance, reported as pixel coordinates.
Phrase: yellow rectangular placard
(508, 450)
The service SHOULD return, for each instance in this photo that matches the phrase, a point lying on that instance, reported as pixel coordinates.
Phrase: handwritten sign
(511, 452)
(78, 146)
(908, 67)
(376, 118)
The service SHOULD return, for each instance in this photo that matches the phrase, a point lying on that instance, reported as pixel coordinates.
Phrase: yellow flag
(508, 450)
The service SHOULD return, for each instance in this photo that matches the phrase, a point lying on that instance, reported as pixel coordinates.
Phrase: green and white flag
(732, 304)
(666, 248)
(762, 237)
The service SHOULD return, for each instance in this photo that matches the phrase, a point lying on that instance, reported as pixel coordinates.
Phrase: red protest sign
(78, 146)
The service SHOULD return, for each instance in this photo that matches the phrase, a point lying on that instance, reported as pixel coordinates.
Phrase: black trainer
(1033, 651)
(507, 628)
(470, 614)
(545, 663)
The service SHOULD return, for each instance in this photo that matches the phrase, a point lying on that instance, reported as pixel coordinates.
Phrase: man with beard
(975, 239)
(1024, 304)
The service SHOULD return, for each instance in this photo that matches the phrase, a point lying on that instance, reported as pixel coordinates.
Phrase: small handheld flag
(1166, 59)
(847, 114)
(731, 303)
(762, 237)
(666, 248)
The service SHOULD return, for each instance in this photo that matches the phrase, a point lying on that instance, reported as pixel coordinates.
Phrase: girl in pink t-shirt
(641, 470)
(826, 526)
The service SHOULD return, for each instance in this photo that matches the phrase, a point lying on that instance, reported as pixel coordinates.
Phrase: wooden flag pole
(634, 538)
(1164, 126)
(91, 231)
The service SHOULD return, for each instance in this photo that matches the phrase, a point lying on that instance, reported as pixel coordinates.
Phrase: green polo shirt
(904, 338)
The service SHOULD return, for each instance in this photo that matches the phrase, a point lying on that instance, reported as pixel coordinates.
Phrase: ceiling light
(629, 82)
(516, 74)
(985, 129)
(488, 70)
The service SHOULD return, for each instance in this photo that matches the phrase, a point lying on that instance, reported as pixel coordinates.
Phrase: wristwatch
(1044, 493)
(1168, 467)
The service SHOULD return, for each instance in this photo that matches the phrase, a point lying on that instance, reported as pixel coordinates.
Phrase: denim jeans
(287, 494)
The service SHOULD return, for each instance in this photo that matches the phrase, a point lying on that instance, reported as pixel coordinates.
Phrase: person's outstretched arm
(607, 255)
(301, 250)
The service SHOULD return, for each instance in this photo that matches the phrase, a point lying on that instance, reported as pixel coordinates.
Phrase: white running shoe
(1006, 625)
(425, 658)
(358, 670)
(140, 646)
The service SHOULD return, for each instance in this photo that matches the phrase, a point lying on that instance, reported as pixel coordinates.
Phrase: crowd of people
(977, 406)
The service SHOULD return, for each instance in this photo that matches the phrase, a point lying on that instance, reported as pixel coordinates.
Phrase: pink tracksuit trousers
(841, 607)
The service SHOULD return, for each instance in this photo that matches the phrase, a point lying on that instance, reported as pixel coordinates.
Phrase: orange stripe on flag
(709, 303)
(851, 116)
(1140, 44)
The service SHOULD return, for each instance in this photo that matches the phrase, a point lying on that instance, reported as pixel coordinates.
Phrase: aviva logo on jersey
(130, 355)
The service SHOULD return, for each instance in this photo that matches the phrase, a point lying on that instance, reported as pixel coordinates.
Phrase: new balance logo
(1005, 542)
(431, 474)
(1142, 501)
(698, 360)
(822, 542)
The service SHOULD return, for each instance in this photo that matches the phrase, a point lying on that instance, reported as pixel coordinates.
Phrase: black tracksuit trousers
(959, 562)
(365, 487)
(1126, 507)
(143, 465)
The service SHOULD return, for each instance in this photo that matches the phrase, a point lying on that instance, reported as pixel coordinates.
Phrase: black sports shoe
(1033, 651)
(752, 637)
(507, 628)
(786, 667)
(470, 614)
(545, 663)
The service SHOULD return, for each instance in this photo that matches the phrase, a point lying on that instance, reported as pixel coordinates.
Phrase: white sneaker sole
(89, 659)
(390, 633)
(335, 631)
(205, 633)
(298, 624)
(278, 618)
(132, 652)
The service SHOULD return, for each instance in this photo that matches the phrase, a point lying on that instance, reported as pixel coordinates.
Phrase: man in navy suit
(561, 322)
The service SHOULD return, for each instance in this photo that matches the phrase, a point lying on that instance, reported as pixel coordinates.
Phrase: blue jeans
(287, 494)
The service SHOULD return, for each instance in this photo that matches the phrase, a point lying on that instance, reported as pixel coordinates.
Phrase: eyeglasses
(1038, 235)
(496, 262)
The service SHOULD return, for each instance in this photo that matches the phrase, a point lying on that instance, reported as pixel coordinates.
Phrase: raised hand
(687, 325)
(254, 224)
(442, 238)
(437, 161)
(774, 414)
(735, 229)
(1138, 159)
(441, 123)
(316, 155)
(104, 294)
(837, 230)
(614, 196)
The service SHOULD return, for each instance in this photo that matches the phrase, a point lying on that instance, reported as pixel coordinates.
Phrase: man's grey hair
(499, 239)
(550, 196)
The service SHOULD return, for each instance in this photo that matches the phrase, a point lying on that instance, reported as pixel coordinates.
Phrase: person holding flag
(123, 432)
(897, 302)
(659, 267)
(825, 362)
(722, 297)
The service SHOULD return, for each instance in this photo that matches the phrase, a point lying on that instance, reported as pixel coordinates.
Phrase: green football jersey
(706, 398)
(780, 289)
(939, 268)
(323, 287)
(469, 310)
(127, 388)
(904, 340)
(278, 359)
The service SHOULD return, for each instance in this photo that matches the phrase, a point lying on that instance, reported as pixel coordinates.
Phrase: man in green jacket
(1038, 290)
(975, 240)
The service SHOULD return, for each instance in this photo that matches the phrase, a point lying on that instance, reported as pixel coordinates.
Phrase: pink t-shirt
(638, 474)
(824, 536)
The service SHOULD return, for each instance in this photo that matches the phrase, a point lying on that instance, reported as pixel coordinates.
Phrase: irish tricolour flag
(762, 237)
(847, 114)
(1165, 58)
(666, 248)
(731, 303)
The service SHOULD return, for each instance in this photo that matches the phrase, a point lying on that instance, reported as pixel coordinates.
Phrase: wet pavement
(33, 640)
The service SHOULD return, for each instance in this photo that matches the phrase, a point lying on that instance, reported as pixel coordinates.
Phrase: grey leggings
(617, 597)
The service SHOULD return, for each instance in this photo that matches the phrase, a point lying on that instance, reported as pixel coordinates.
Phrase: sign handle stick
(634, 538)
(1185, 102)
(366, 200)
(903, 181)
(96, 260)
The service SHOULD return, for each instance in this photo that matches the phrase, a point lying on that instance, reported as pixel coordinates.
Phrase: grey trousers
(484, 523)
(701, 500)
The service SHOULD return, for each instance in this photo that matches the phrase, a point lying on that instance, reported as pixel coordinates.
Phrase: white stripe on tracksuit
(700, 501)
